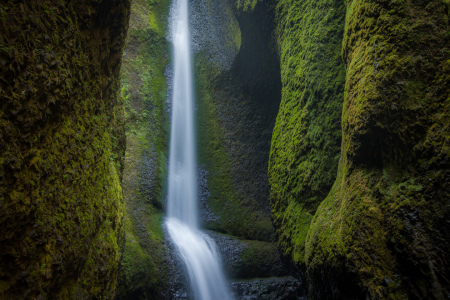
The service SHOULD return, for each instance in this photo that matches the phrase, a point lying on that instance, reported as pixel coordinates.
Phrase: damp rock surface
(276, 288)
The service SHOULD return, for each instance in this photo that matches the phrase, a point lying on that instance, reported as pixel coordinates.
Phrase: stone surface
(62, 145)
(281, 288)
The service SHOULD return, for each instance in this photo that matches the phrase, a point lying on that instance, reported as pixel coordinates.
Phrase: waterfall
(197, 250)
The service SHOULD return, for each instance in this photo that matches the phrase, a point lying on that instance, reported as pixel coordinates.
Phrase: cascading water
(197, 250)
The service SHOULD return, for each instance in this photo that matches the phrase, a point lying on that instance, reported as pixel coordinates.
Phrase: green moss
(247, 5)
(259, 259)
(306, 138)
(391, 194)
(142, 274)
(61, 130)
(62, 137)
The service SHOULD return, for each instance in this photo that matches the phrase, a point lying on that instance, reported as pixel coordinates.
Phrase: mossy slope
(307, 135)
(141, 273)
(383, 230)
(62, 146)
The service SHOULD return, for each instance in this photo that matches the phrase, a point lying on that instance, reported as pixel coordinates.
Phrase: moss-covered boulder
(142, 273)
(62, 145)
(383, 230)
(307, 135)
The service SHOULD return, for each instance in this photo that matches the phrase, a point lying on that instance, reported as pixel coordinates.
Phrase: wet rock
(248, 258)
(215, 31)
(280, 288)
(178, 285)
(206, 215)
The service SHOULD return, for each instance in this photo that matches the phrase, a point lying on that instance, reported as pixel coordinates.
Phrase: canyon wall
(307, 135)
(142, 271)
(62, 146)
(323, 131)
(382, 230)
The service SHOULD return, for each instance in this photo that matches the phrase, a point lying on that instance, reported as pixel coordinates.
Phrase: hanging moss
(385, 222)
(62, 146)
(307, 135)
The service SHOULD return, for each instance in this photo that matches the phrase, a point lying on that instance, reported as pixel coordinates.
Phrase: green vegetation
(386, 212)
(247, 5)
(259, 259)
(307, 135)
(62, 137)
(364, 104)
(141, 273)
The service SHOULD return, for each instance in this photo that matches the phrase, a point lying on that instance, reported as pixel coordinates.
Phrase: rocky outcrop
(142, 272)
(381, 231)
(307, 135)
(246, 259)
(385, 221)
(237, 109)
(62, 145)
(281, 288)
(238, 85)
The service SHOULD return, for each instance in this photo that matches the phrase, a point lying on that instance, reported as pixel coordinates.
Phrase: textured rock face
(62, 146)
(237, 109)
(307, 135)
(383, 230)
(143, 88)
(281, 288)
(386, 217)
(238, 86)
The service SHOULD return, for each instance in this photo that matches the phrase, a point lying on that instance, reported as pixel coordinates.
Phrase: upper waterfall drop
(182, 184)
(197, 250)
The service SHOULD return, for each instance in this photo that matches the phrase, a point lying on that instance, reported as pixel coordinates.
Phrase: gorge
(323, 148)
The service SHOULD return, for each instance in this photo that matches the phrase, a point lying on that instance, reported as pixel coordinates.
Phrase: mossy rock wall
(62, 146)
(142, 273)
(307, 136)
(383, 231)
(236, 112)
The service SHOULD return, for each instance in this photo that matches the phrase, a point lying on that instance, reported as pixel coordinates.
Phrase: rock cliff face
(307, 136)
(239, 89)
(386, 217)
(237, 109)
(143, 89)
(62, 145)
(382, 231)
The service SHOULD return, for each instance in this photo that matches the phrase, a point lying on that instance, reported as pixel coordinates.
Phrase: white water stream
(197, 250)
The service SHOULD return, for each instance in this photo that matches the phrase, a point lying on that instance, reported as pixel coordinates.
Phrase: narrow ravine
(197, 250)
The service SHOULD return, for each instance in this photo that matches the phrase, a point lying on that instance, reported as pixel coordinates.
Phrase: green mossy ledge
(307, 136)
(142, 273)
(383, 230)
(62, 145)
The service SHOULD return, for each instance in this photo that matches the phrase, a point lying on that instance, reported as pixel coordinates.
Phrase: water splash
(197, 250)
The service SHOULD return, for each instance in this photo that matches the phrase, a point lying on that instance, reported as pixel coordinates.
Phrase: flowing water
(197, 250)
